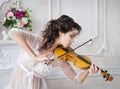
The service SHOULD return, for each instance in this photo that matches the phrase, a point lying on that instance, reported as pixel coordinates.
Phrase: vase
(5, 35)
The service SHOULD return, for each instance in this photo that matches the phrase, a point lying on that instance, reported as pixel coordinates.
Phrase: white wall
(100, 20)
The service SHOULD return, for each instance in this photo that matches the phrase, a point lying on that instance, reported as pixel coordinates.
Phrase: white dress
(28, 73)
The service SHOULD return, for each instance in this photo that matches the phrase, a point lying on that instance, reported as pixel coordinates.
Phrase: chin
(65, 46)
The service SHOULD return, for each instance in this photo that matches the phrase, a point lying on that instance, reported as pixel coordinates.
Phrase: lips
(69, 43)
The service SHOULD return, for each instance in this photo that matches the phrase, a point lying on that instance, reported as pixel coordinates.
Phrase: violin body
(82, 62)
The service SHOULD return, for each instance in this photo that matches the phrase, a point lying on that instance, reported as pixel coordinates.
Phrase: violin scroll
(106, 75)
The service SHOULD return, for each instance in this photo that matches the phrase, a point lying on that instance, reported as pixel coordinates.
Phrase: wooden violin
(82, 62)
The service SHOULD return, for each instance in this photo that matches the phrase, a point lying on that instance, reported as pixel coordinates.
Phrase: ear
(60, 33)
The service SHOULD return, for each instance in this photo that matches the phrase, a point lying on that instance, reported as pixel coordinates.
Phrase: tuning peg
(106, 71)
(106, 80)
(104, 76)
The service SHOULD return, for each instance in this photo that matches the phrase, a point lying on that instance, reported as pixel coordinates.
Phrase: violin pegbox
(106, 75)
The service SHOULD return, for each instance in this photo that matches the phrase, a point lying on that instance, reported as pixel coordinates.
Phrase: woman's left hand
(93, 69)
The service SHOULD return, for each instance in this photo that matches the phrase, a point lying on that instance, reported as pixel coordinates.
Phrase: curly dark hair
(63, 24)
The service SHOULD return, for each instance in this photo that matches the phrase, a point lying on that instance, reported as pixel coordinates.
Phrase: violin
(82, 62)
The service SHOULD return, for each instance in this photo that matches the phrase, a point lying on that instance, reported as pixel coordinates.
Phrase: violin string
(75, 48)
(81, 45)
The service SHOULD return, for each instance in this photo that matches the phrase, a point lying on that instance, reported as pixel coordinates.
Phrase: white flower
(13, 18)
(24, 20)
(4, 19)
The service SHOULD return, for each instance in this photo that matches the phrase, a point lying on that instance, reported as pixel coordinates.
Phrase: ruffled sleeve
(32, 39)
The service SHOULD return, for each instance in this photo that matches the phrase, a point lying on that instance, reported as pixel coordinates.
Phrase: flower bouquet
(17, 18)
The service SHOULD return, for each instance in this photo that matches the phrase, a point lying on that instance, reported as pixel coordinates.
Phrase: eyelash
(72, 36)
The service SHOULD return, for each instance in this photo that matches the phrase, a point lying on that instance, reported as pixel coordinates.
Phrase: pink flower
(19, 14)
(9, 14)
(20, 24)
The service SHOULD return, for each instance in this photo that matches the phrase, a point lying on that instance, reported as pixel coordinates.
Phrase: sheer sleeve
(31, 38)
(68, 70)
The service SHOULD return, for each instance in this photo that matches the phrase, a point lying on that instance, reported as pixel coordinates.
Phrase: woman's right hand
(43, 58)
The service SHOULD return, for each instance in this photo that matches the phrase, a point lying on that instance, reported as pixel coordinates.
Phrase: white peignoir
(29, 74)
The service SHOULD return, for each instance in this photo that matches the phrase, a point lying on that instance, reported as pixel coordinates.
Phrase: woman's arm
(21, 39)
(77, 77)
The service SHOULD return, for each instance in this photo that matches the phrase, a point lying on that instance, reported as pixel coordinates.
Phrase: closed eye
(72, 35)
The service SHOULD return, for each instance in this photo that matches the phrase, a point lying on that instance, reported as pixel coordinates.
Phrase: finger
(47, 62)
(47, 56)
(92, 68)
(99, 71)
(96, 69)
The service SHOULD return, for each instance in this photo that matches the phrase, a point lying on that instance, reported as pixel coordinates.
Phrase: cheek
(65, 41)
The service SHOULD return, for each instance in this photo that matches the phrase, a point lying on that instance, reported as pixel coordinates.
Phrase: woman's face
(66, 39)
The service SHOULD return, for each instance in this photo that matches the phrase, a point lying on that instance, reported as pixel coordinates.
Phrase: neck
(56, 43)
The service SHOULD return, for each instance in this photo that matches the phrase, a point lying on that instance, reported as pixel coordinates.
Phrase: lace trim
(76, 79)
(29, 73)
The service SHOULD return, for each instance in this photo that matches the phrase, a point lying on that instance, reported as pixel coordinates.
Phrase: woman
(35, 63)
